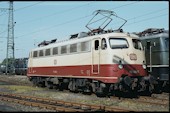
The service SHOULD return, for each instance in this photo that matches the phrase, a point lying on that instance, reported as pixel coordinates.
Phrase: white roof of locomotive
(77, 40)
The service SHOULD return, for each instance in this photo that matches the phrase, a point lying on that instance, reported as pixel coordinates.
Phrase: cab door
(96, 56)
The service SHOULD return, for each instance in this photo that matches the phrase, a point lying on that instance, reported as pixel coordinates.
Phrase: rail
(57, 105)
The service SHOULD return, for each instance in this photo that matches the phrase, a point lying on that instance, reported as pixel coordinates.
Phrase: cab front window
(118, 43)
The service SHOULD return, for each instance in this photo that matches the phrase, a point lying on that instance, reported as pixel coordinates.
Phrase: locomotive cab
(121, 57)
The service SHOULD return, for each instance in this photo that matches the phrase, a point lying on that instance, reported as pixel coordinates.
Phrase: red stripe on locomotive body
(106, 74)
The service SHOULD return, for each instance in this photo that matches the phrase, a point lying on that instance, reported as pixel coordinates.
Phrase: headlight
(120, 66)
(144, 66)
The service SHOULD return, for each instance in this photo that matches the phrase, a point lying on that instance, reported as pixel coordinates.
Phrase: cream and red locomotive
(101, 62)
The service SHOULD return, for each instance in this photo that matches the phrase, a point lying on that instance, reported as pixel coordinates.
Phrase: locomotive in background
(156, 44)
(20, 66)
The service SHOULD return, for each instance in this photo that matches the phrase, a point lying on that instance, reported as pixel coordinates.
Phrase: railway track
(161, 96)
(57, 105)
(160, 101)
(157, 99)
(153, 100)
(146, 100)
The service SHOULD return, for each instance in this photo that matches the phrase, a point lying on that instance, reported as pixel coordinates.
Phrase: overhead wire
(125, 5)
(62, 12)
(153, 12)
(147, 19)
(45, 17)
(148, 13)
(4, 11)
(70, 21)
(23, 7)
(29, 6)
(4, 20)
(67, 11)
(19, 10)
(73, 20)
(82, 18)
(88, 16)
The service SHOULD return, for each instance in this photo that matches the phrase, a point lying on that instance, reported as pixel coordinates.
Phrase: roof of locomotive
(87, 38)
(163, 34)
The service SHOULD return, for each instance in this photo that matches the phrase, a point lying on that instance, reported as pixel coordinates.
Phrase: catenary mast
(10, 42)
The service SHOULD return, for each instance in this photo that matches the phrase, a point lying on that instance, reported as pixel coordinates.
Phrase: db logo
(55, 62)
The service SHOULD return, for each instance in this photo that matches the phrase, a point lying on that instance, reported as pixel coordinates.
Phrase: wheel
(102, 90)
(72, 86)
(48, 84)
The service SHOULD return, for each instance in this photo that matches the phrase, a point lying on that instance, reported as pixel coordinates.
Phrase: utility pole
(10, 42)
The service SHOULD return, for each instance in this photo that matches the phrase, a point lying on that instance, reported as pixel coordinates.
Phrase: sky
(37, 21)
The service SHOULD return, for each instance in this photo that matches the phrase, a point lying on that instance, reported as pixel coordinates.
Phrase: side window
(103, 44)
(73, 48)
(35, 54)
(55, 50)
(85, 46)
(63, 49)
(41, 53)
(137, 44)
(47, 52)
(96, 44)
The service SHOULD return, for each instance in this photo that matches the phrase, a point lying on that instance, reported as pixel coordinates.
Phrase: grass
(20, 89)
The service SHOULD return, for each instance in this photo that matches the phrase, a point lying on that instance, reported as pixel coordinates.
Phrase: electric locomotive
(99, 61)
(156, 44)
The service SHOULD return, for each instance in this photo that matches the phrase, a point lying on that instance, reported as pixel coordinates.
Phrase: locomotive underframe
(85, 85)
